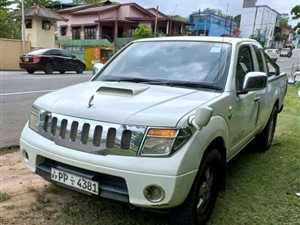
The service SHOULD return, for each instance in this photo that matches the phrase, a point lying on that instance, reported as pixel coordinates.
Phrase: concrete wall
(10, 51)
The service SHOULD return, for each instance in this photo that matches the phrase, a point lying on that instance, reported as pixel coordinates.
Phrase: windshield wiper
(195, 85)
(129, 79)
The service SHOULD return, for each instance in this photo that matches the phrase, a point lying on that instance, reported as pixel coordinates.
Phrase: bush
(141, 32)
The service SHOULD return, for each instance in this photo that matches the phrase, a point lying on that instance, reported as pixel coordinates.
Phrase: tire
(79, 69)
(264, 139)
(30, 71)
(201, 200)
(49, 68)
(62, 71)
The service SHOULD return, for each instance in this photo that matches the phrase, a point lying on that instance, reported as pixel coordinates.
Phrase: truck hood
(125, 103)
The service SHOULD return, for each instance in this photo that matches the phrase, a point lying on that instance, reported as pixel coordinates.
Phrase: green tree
(295, 12)
(29, 3)
(9, 28)
(85, 1)
(280, 37)
(237, 19)
(296, 27)
(257, 38)
(141, 32)
(4, 4)
(179, 18)
(218, 12)
(89, 1)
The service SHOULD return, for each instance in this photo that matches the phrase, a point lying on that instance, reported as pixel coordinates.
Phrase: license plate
(75, 181)
(26, 59)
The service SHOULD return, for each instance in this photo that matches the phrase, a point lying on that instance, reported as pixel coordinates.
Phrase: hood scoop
(130, 89)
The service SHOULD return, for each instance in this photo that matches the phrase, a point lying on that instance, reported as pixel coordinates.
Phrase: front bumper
(136, 172)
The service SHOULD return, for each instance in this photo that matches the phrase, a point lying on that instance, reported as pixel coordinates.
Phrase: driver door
(245, 109)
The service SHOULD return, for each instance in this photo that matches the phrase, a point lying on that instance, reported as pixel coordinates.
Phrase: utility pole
(23, 28)
(155, 25)
(198, 25)
(254, 24)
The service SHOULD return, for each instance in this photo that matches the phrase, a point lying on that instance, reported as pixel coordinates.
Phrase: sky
(186, 7)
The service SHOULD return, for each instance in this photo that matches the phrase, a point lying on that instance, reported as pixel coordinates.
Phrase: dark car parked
(50, 60)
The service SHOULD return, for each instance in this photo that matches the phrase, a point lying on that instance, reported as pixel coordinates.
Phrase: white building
(259, 20)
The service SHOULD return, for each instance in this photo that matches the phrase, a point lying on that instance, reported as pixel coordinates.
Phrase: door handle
(256, 99)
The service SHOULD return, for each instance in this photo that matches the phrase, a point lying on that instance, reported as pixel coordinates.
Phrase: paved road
(286, 64)
(18, 90)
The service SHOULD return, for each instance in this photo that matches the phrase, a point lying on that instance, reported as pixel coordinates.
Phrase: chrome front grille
(91, 136)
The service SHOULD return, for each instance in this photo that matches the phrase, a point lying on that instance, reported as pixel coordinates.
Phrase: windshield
(171, 62)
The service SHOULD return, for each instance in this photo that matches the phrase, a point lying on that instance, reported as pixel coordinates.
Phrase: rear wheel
(30, 71)
(62, 71)
(49, 68)
(79, 69)
(198, 206)
(265, 138)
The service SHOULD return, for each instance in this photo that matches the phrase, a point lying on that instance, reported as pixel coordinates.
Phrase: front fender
(200, 141)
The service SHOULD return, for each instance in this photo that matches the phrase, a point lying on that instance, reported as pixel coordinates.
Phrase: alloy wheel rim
(205, 190)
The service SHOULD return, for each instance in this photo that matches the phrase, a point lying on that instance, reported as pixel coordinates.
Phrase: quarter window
(260, 59)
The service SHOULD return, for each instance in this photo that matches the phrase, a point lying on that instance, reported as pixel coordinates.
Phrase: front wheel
(201, 200)
(265, 138)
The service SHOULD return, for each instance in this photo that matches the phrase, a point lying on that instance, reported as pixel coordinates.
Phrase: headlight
(34, 118)
(162, 142)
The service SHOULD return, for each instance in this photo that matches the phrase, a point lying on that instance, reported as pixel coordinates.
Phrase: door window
(244, 66)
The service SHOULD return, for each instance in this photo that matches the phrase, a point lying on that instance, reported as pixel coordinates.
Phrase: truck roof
(232, 40)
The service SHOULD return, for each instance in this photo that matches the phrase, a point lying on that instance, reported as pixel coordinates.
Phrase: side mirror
(202, 117)
(254, 81)
(97, 67)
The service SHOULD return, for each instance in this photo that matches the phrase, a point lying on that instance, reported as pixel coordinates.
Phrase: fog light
(25, 156)
(154, 193)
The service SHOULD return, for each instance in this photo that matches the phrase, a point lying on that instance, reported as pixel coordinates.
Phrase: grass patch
(4, 197)
(52, 189)
(8, 150)
(101, 211)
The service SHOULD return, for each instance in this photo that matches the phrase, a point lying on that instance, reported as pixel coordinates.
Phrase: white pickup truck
(157, 124)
